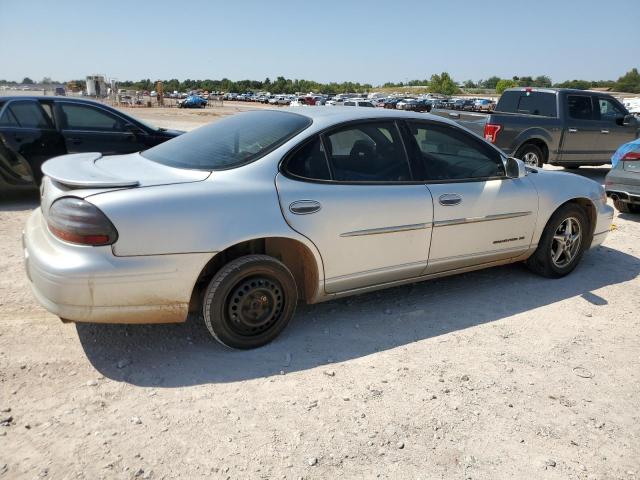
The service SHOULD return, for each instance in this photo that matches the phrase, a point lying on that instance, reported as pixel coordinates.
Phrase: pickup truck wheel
(249, 301)
(562, 243)
(531, 155)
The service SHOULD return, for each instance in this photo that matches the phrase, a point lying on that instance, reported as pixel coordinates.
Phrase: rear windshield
(532, 103)
(230, 142)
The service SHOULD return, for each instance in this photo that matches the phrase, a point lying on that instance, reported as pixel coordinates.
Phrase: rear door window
(368, 152)
(580, 107)
(25, 114)
(309, 162)
(88, 118)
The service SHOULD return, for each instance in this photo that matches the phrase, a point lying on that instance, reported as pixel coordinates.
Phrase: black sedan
(35, 129)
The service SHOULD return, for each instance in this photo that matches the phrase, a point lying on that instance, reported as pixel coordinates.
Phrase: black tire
(249, 301)
(541, 262)
(626, 207)
(621, 206)
(531, 155)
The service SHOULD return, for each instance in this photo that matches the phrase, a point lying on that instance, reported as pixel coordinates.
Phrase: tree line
(438, 83)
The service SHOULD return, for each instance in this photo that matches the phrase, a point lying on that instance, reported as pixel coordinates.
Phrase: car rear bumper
(90, 284)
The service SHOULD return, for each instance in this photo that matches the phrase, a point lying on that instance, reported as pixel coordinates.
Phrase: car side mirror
(628, 120)
(515, 168)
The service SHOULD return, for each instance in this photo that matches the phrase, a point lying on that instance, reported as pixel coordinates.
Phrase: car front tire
(562, 244)
(250, 301)
(531, 155)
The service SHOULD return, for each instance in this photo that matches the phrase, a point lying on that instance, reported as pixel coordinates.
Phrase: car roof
(6, 98)
(331, 115)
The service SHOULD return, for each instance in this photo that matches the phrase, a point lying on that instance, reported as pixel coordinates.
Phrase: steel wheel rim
(255, 305)
(531, 159)
(566, 242)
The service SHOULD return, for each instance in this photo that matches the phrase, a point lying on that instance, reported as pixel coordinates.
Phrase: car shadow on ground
(18, 200)
(167, 356)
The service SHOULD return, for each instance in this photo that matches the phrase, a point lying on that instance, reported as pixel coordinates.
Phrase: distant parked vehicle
(390, 103)
(192, 101)
(358, 103)
(59, 92)
(483, 105)
(35, 129)
(556, 126)
(622, 183)
(418, 106)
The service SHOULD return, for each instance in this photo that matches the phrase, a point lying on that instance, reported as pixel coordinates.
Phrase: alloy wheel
(531, 159)
(566, 242)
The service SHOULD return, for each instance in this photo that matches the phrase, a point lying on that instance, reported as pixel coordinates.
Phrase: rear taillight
(77, 221)
(631, 157)
(491, 132)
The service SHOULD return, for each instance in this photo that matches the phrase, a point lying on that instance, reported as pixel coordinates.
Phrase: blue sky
(343, 40)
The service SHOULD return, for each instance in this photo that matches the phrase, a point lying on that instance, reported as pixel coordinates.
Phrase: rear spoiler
(80, 170)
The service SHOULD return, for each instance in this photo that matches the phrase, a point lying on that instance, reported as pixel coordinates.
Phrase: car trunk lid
(84, 174)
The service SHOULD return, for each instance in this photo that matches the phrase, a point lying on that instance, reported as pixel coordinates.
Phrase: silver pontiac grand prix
(242, 218)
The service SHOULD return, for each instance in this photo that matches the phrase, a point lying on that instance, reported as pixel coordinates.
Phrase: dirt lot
(497, 374)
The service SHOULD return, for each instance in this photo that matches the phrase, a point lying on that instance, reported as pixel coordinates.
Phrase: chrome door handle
(604, 131)
(573, 130)
(304, 207)
(449, 199)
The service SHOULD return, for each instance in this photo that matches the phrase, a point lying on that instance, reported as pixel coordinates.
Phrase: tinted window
(229, 142)
(368, 152)
(609, 110)
(365, 104)
(349, 104)
(82, 117)
(580, 107)
(24, 114)
(532, 103)
(310, 162)
(446, 153)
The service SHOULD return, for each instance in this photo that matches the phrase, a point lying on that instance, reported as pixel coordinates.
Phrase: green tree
(27, 81)
(503, 84)
(629, 82)
(443, 83)
(470, 84)
(542, 81)
(490, 82)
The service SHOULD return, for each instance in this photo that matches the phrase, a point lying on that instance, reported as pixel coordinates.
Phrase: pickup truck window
(580, 107)
(609, 111)
(444, 153)
(532, 103)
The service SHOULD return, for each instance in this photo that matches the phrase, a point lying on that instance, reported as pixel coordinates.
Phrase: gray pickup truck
(556, 126)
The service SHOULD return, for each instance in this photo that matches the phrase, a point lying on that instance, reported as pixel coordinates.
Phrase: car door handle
(604, 131)
(450, 199)
(573, 130)
(304, 207)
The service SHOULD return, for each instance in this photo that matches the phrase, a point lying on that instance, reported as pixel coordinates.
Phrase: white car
(244, 217)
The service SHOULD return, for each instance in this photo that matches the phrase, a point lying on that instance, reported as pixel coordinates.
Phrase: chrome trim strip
(488, 218)
(377, 231)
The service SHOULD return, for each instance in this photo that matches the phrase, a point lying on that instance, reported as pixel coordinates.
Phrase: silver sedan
(244, 217)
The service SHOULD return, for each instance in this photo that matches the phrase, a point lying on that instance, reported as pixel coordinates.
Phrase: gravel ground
(497, 374)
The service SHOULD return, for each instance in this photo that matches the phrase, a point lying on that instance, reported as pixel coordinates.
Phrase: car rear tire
(249, 301)
(531, 155)
(626, 207)
(562, 243)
